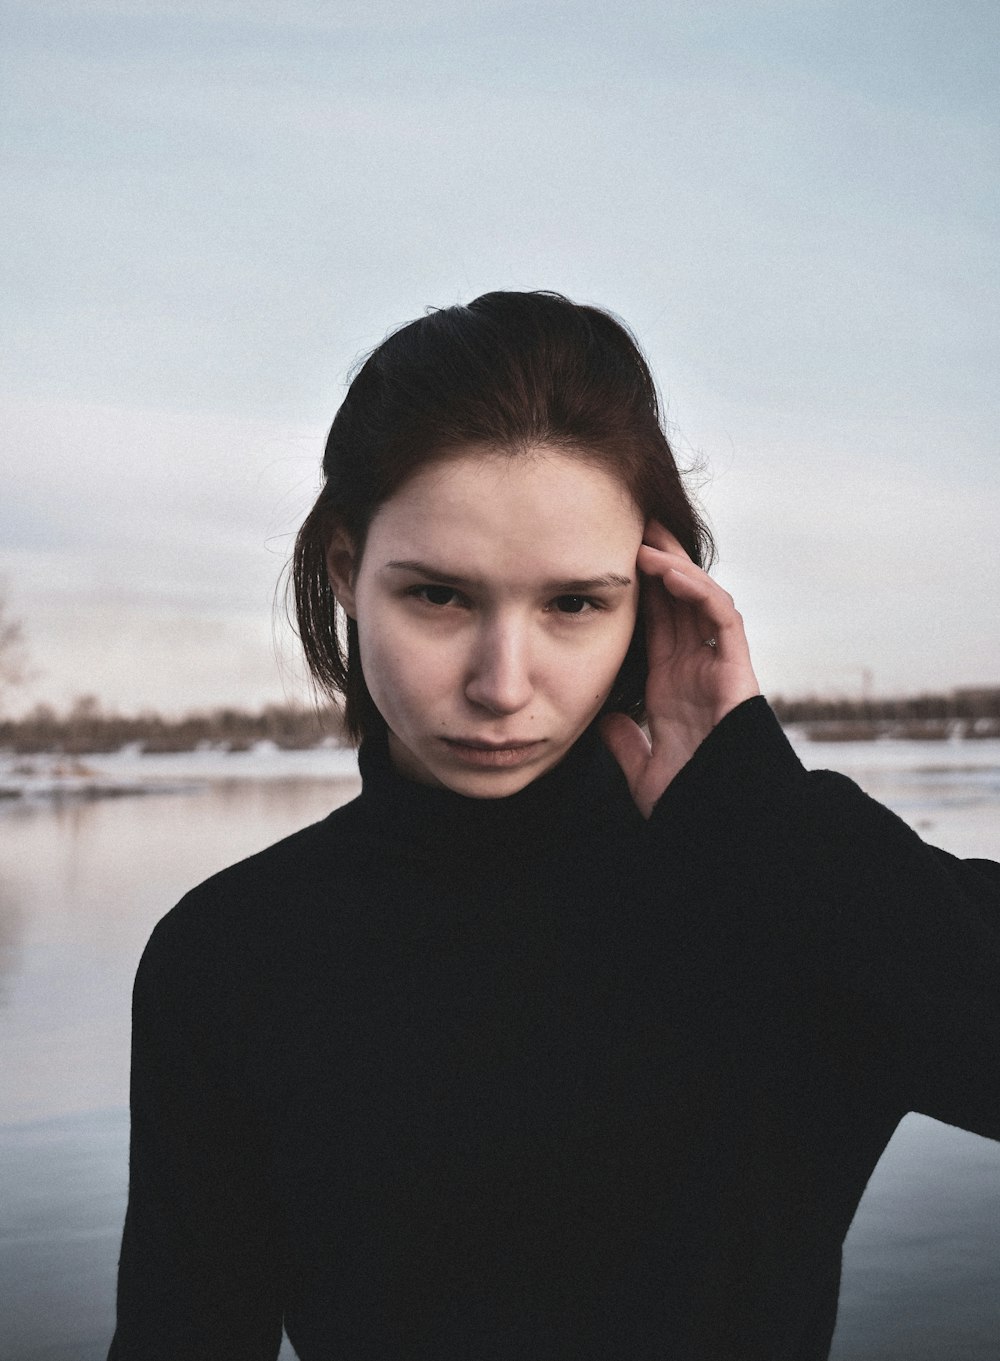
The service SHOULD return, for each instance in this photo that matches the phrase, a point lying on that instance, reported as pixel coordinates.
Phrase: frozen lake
(82, 881)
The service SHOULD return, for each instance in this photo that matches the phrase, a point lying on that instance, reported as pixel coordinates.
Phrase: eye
(434, 595)
(574, 604)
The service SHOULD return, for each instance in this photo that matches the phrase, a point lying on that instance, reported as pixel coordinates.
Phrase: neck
(585, 788)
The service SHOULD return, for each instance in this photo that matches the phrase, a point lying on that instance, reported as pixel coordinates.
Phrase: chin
(478, 786)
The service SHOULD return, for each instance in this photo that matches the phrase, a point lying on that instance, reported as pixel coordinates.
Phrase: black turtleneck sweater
(531, 1079)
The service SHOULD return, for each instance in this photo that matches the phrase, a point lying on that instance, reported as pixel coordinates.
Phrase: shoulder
(267, 899)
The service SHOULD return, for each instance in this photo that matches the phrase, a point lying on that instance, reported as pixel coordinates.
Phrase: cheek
(402, 667)
(617, 654)
(380, 660)
(624, 633)
(594, 671)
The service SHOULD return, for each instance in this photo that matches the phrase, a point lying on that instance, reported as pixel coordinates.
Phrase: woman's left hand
(699, 668)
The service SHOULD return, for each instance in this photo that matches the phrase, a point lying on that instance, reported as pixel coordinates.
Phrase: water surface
(83, 881)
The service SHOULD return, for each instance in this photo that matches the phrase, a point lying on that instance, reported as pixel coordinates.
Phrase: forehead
(541, 505)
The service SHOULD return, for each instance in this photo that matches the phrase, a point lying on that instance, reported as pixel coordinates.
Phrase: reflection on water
(11, 931)
(922, 1260)
(81, 885)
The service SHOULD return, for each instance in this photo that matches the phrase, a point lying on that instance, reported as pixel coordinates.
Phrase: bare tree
(13, 653)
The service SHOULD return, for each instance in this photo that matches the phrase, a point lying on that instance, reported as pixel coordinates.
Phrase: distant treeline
(87, 728)
(963, 713)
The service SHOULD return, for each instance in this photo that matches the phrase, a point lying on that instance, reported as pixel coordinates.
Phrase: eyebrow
(576, 586)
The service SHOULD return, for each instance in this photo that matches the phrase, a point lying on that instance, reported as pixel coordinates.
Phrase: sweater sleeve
(804, 869)
(198, 1273)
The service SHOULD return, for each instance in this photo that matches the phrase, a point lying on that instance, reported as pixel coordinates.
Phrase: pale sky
(213, 207)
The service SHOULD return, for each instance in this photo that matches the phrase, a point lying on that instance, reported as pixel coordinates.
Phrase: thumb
(628, 744)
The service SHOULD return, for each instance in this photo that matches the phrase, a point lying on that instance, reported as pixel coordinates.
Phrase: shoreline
(54, 776)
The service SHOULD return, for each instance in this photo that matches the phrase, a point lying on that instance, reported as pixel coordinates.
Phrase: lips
(474, 751)
(479, 745)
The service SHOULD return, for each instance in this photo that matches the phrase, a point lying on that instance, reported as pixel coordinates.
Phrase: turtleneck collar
(585, 790)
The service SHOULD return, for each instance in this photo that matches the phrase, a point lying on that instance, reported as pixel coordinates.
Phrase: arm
(803, 869)
(921, 934)
(837, 894)
(199, 1271)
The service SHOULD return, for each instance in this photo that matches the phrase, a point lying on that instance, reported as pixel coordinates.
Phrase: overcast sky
(214, 206)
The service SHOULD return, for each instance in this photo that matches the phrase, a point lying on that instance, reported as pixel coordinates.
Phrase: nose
(499, 673)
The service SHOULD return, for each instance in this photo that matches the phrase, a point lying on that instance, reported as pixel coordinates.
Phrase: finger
(672, 625)
(628, 744)
(714, 606)
(685, 582)
(658, 558)
(658, 561)
(659, 612)
(656, 535)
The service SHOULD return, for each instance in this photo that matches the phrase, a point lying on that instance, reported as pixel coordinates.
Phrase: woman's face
(495, 601)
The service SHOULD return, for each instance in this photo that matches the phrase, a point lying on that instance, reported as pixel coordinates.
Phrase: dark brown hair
(508, 373)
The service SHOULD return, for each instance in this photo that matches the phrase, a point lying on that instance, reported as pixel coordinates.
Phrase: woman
(558, 1042)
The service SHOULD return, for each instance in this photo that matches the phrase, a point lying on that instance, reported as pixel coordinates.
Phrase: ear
(341, 568)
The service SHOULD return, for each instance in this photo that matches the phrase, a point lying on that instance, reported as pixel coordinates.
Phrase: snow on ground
(131, 771)
(951, 755)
